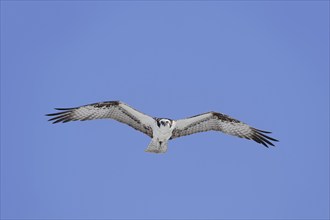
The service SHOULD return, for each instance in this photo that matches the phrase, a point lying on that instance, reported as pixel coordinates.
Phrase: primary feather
(220, 122)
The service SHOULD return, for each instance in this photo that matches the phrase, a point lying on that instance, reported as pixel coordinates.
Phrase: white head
(164, 122)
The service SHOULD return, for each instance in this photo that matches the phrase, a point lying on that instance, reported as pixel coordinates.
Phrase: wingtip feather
(63, 109)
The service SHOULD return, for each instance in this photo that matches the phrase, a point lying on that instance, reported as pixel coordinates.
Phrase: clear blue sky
(265, 63)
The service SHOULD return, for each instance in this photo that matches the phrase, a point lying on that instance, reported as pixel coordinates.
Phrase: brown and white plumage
(220, 122)
(161, 129)
(112, 110)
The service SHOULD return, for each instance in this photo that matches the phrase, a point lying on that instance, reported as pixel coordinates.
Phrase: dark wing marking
(220, 122)
(112, 109)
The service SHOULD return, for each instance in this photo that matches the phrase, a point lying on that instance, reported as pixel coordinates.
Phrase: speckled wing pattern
(116, 110)
(220, 122)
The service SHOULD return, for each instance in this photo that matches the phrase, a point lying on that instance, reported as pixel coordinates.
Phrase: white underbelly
(162, 134)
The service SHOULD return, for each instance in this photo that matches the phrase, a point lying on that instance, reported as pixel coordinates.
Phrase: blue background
(265, 63)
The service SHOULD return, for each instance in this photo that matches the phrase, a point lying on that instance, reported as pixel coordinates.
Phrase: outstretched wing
(116, 110)
(220, 122)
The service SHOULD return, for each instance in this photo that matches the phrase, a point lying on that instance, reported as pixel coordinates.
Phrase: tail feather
(157, 147)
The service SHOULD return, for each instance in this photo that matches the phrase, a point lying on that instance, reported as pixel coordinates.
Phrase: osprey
(161, 130)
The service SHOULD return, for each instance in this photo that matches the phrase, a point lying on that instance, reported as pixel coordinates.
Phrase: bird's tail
(157, 146)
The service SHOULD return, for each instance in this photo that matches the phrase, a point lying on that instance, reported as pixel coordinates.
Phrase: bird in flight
(161, 130)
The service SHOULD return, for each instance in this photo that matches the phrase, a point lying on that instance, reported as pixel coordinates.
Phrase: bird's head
(164, 122)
